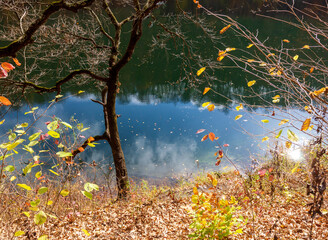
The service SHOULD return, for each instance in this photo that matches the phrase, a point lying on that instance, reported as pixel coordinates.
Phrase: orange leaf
(306, 124)
(4, 101)
(206, 90)
(286, 41)
(17, 62)
(221, 57)
(312, 69)
(211, 136)
(211, 107)
(204, 138)
(7, 66)
(91, 139)
(225, 28)
(81, 149)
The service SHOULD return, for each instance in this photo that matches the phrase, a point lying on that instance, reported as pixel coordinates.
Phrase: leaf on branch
(225, 29)
(292, 136)
(204, 138)
(295, 57)
(240, 107)
(238, 117)
(286, 41)
(306, 124)
(265, 120)
(279, 134)
(250, 45)
(306, 47)
(211, 136)
(205, 104)
(221, 57)
(200, 71)
(230, 49)
(4, 101)
(251, 60)
(17, 62)
(200, 131)
(283, 122)
(251, 83)
(3, 73)
(206, 90)
(288, 144)
(276, 97)
(311, 69)
(265, 139)
(320, 91)
(7, 66)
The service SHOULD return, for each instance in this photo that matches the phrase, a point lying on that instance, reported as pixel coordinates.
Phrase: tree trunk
(109, 100)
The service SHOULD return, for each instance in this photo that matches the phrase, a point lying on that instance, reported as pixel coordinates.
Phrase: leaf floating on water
(250, 45)
(238, 117)
(251, 83)
(306, 124)
(265, 139)
(200, 71)
(200, 131)
(295, 57)
(211, 136)
(225, 28)
(206, 90)
(211, 107)
(283, 122)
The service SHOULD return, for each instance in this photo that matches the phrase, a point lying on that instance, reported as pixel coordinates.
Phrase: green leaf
(12, 136)
(87, 194)
(292, 136)
(64, 154)
(279, 134)
(27, 214)
(22, 125)
(20, 132)
(43, 237)
(15, 144)
(42, 190)
(28, 168)
(53, 125)
(33, 143)
(35, 203)
(10, 168)
(59, 96)
(40, 218)
(53, 172)
(34, 136)
(84, 129)
(19, 233)
(79, 126)
(54, 134)
(89, 187)
(67, 125)
(38, 174)
(22, 185)
(64, 192)
(28, 149)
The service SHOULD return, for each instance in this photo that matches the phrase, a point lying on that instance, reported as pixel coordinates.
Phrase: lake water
(160, 114)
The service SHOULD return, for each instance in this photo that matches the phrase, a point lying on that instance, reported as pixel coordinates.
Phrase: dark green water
(160, 113)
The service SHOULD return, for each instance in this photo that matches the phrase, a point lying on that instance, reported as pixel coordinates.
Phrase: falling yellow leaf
(205, 104)
(2, 121)
(211, 107)
(230, 49)
(239, 107)
(283, 122)
(276, 97)
(221, 53)
(288, 144)
(306, 47)
(286, 41)
(272, 69)
(238, 117)
(306, 124)
(251, 60)
(320, 91)
(200, 71)
(251, 83)
(225, 28)
(311, 127)
(206, 90)
(250, 45)
(265, 139)
(265, 120)
(295, 57)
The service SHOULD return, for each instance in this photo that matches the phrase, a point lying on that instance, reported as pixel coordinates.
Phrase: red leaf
(204, 138)
(3, 73)
(262, 172)
(56, 142)
(81, 149)
(226, 145)
(4, 101)
(218, 162)
(220, 154)
(200, 131)
(211, 136)
(7, 66)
